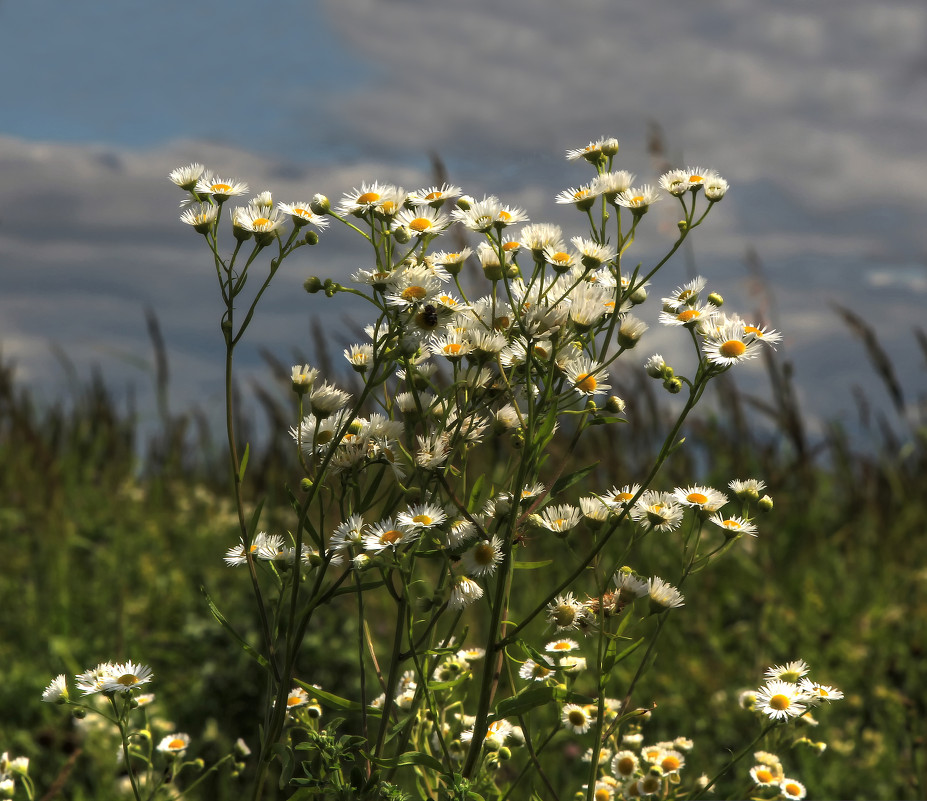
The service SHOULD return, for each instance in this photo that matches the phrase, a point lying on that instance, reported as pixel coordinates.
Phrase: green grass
(105, 552)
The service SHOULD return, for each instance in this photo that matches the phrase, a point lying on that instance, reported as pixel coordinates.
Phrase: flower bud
(765, 504)
(402, 235)
(615, 404)
(682, 225)
(672, 385)
(320, 205)
(311, 238)
(312, 284)
(638, 296)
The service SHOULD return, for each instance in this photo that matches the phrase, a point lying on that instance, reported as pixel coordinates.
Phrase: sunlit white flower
(464, 592)
(422, 516)
(565, 612)
(434, 196)
(638, 199)
(594, 151)
(174, 744)
(664, 594)
(575, 718)
(387, 533)
(765, 775)
(560, 518)
(685, 296)
(792, 789)
(296, 698)
(561, 646)
(698, 176)
(781, 700)
(348, 533)
(326, 399)
(94, 680)
(582, 197)
(822, 692)
(715, 187)
(220, 188)
(483, 558)
(657, 510)
(790, 671)
(361, 201)
(704, 498)
(612, 184)
(730, 345)
(587, 376)
(187, 177)
(126, 676)
(734, 526)
(675, 182)
(421, 221)
(302, 214)
(532, 671)
(621, 497)
(57, 690)
(201, 216)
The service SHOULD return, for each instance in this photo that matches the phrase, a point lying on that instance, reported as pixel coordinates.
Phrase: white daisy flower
(302, 214)
(483, 558)
(612, 184)
(822, 692)
(532, 671)
(421, 221)
(704, 498)
(126, 676)
(434, 196)
(187, 177)
(57, 690)
(575, 718)
(792, 789)
(730, 345)
(586, 376)
(790, 671)
(663, 594)
(734, 526)
(202, 216)
(220, 188)
(781, 700)
(422, 516)
(638, 199)
(464, 592)
(174, 744)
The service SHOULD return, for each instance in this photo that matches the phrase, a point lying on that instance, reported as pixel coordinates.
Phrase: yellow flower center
(688, 315)
(504, 216)
(390, 537)
(424, 520)
(780, 701)
(586, 382)
(127, 680)
(452, 349)
(637, 199)
(792, 789)
(260, 222)
(732, 349)
(539, 671)
(625, 766)
(669, 762)
(420, 224)
(511, 246)
(695, 179)
(501, 323)
(414, 293)
(560, 522)
(580, 194)
(294, 700)
(731, 524)
(302, 213)
(560, 257)
(483, 554)
(764, 775)
(367, 197)
(563, 645)
(388, 207)
(752, 329)
(176, 744)
(221, 188)
(696, 497)
(623, 497)
(541, 352)
(576, 717)
(434, 195)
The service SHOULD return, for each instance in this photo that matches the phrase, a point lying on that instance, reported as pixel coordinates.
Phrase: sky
(816, 113)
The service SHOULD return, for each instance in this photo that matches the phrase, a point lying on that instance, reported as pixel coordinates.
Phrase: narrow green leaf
(331, 699)
(531, 565)
(565, 482)
(247, 647)
(476, 492)
(244, 463)
(410, 758)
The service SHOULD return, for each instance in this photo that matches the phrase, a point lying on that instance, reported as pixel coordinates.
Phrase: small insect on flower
(429, 316)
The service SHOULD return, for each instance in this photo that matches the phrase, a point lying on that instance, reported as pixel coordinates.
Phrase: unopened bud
(320, 205)
(715, 299)
(672, 385)
(312, 284)
(615, 404)
(765, 504)
(311, 238)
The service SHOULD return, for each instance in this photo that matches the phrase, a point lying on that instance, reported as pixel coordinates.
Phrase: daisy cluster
(108, 677)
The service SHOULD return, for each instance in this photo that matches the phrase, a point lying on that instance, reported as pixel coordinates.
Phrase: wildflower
(715, 188)
(471, 654)
(734, 526)
(94, 680)
(650, 784)
(781, 700)
(638, 199)
(387, 533)
(612, 184)
(56, 691)
(303, 377)
(747, 489)
(594, 151)
(575, 718)
(656, 510)
(483, 558)
(296, 698)
(623, 496)
(174, 744)
(361, 201)
(256, 220)
(671, 762)
(704, 498)
(630, 586)
(220, 188)
(433, 450)
(821, 692)
(625, 764)
(187, 177)
(792, 789)
(592, 253)
(480, 215)
(327, 399)
(560, 518)
(302, 214)
(663, 595)
(630, 331)
(434, 196)
(532, 671)
(201, 216)
(421, 221)
(765, 775)
(565, 612)
(563, 646)
(594, 509)
(359, 357)
(675, 182)
(559, 259)
(586, 376)
(422, 516)
(413, 286)
(540, 236)
(452, 262)
(127, 676)
(582, 197)
(697, 176)
(688, 316)
(730, 345)
(464, 592)
(790, 671)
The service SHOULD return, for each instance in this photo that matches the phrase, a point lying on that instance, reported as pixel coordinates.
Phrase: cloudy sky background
(815, 113)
